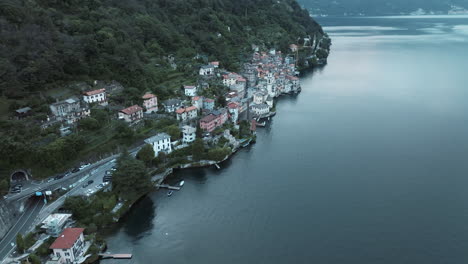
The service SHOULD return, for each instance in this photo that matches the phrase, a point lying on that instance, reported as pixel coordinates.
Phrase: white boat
(169, 193)
(181, 183)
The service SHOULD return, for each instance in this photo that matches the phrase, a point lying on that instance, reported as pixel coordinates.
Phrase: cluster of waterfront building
(250, 96)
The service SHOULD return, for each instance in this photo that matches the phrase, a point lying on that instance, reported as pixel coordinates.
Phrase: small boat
(181, 183)
(169, 193)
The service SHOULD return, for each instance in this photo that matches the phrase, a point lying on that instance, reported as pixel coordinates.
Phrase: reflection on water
(366, 165)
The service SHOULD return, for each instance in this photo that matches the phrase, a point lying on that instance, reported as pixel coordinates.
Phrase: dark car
(58, 177)
(75, 170)
(90, 182)
(107, 178)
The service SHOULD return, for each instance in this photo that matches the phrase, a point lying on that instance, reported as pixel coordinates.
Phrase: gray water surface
(369, 164)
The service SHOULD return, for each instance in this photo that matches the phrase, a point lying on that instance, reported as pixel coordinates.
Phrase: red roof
(195, 98)
(215, 63)
(131, 110)
(189, 87)
(190, 108)
(208, 118)
(233, 105)
(67, 238)
(93, 92)
(148, 96)
(208, 100)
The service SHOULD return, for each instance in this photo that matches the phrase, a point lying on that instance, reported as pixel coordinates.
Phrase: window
(67, 254)
(58, 254)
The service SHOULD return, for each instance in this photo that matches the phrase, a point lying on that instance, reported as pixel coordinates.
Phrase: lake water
(369, 164)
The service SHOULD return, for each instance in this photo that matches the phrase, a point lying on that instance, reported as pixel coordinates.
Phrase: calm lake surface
(369, 164)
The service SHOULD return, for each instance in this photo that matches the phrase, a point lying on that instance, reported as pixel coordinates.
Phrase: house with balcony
(260, 109)
(98, 96)
(189, 134)
(213, 120)
(131, 114)
(69, 110)
(186, 113)
(207, 70)
(190, 90)
(69, 246)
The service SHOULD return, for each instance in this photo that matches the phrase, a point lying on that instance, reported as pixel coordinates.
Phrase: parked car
(75, 170)
(58, 177)
(100, 186)
(90, 182)
(107, 178)
(85, 185)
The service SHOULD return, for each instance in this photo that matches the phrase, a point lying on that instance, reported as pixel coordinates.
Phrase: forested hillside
(48, 46)
(47, 42)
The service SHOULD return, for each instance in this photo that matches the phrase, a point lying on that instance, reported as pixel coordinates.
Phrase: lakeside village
(248, 104)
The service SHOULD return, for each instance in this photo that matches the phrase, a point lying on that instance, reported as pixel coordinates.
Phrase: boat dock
(217, 166)
(116, 256)
(167, 186)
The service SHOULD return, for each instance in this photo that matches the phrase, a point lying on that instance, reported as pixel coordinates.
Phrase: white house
(69, 247)
(207, 70)
(54, 223)
(190, 90)
(96, 96)
(189, 134)
(161, 143)
(150, 103)
(260, 109)
(259, 97)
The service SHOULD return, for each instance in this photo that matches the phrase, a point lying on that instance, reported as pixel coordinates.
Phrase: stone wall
(7, 217)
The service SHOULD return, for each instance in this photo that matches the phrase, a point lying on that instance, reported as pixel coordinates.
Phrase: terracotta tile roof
(67, 238)
(189, 87)
(216, 63)
(148, 96)
(190, 108)
(131, 110)
(209, 118)
(208, 100)
(180, 110)
(195, 98)
(233, 105)
(94, 92)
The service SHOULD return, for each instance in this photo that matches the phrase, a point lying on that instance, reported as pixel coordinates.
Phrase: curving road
(22, 226)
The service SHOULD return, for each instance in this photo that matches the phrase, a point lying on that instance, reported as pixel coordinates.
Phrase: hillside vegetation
(47, 45)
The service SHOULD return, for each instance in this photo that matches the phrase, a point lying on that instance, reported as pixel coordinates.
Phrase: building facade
(188, 134)
(131, 114)
(96, 96)
(190, 90)
(150, 103)
(161, 143)
(69, 246)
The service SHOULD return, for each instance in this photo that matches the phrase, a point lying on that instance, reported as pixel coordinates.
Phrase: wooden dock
(167, 186)
(116, 256)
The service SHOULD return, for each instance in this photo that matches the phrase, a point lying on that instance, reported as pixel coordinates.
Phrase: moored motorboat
(181, 183)
(169, 193)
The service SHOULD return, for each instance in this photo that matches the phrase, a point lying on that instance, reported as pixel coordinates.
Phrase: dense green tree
(198, 149)
(20, 245)
(89, 123)
(146, 154)
(173, 131)
(131, 178)
(34, 259)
